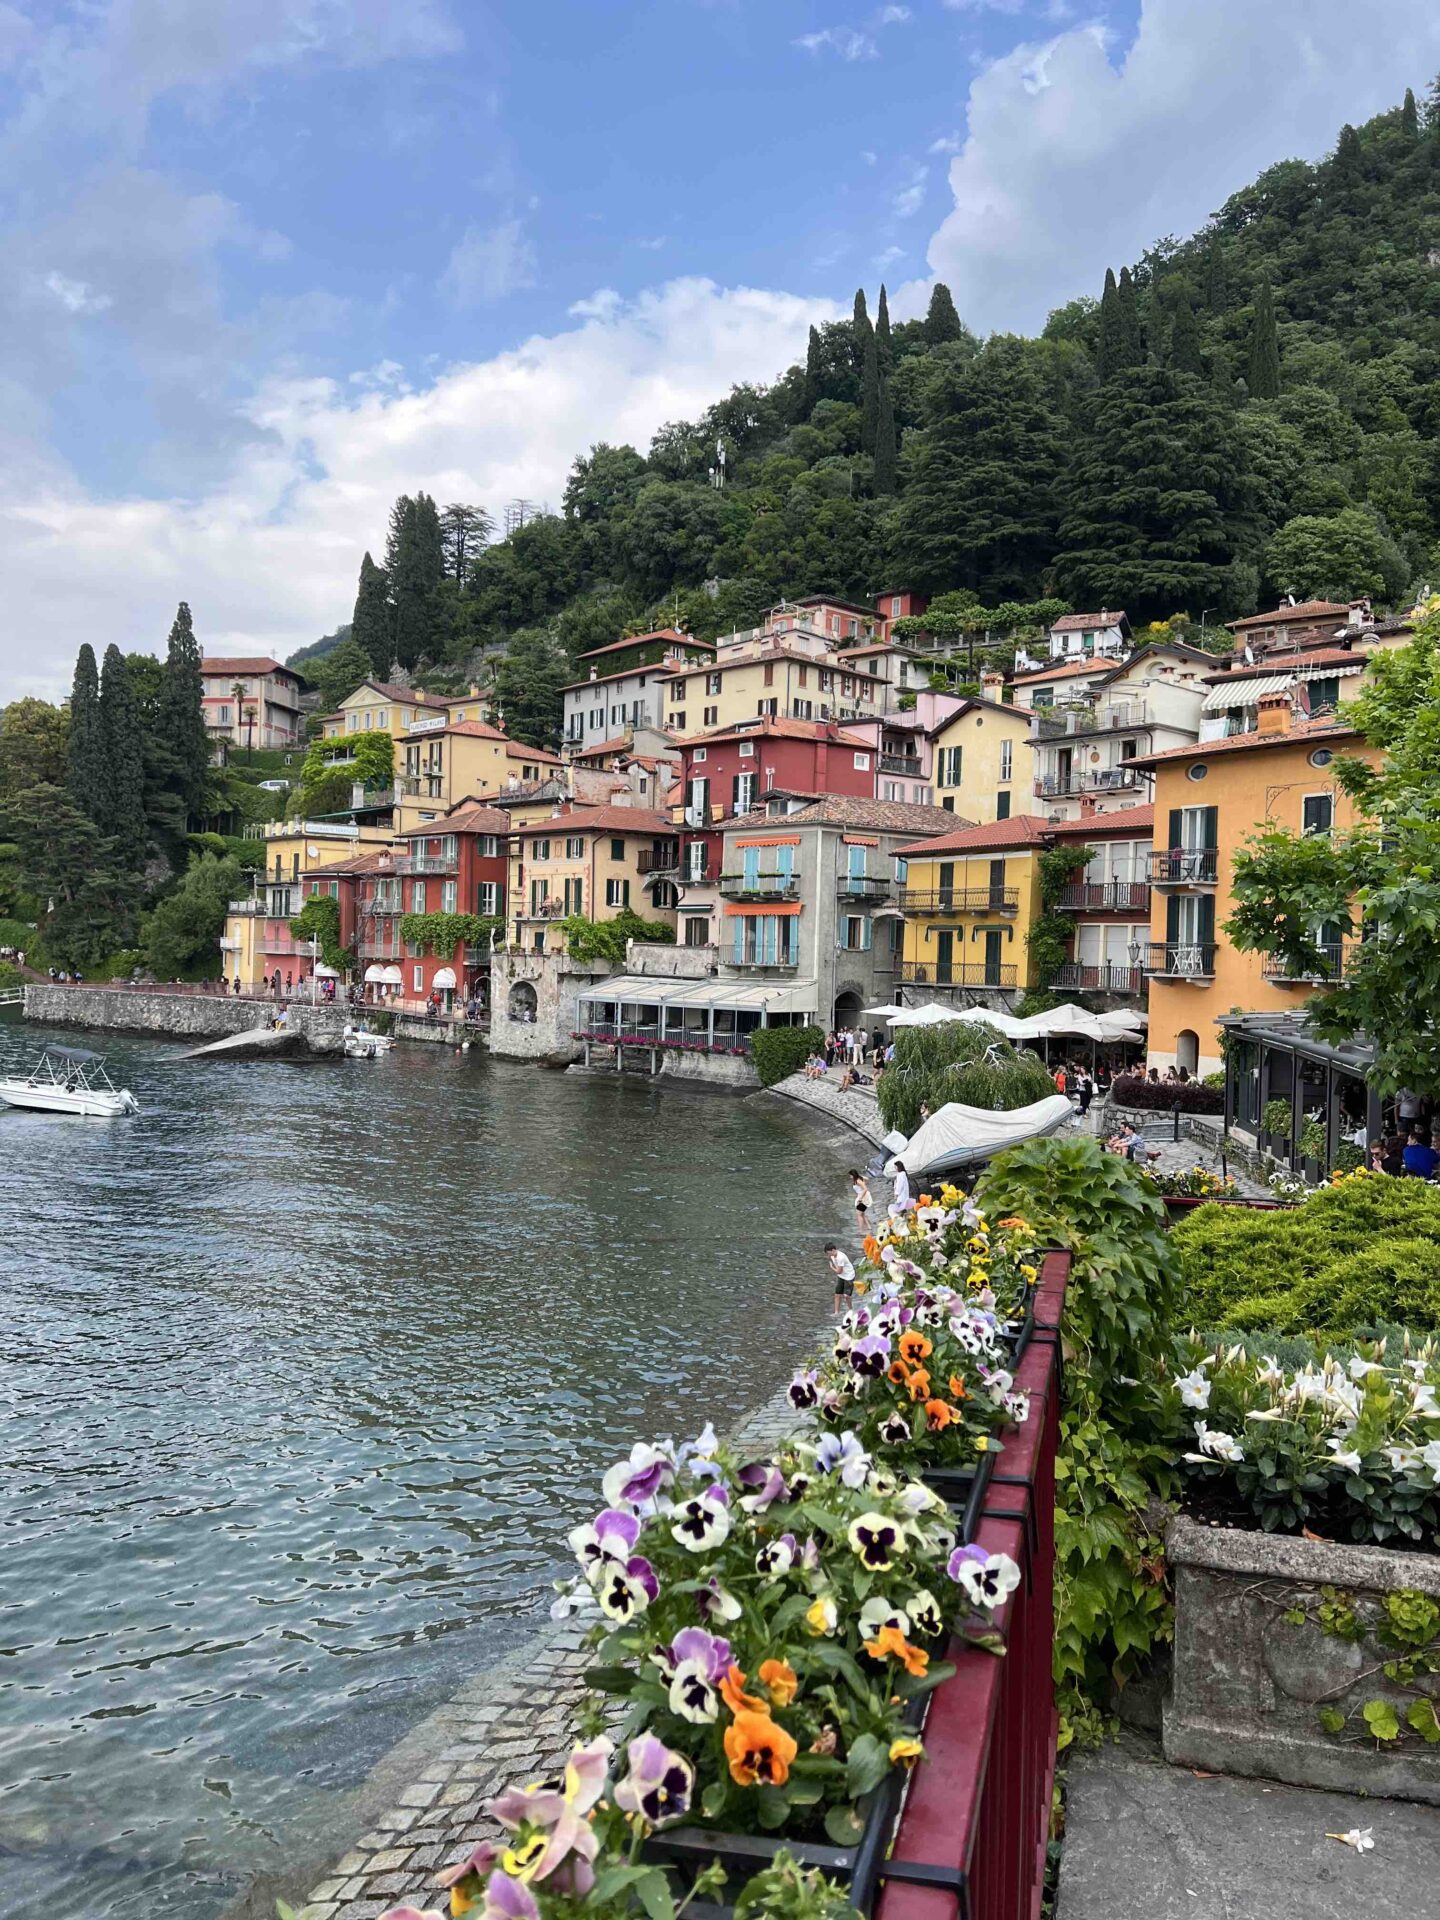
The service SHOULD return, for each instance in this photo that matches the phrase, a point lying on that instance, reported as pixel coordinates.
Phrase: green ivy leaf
(1379, 1716)
(1332, 1720)
(1422, 1717)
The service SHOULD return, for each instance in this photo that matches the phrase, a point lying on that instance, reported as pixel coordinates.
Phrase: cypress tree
(85, 753)
(1264, 374)
(124, 816)
(1185, 337)
(885, 460)
(814, 372)
(1131, 339)
(870, 393)
(180, 715)
(1410, 117)
(1347, 165)
(860, 331)
(1217, 291)
(883, 345)
(1107, 347)
(373, 623)
(942, 322)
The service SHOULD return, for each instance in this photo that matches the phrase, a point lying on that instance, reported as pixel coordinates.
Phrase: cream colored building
(595, 861)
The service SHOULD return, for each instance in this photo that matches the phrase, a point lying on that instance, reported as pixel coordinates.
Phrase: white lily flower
(1194, 1389)
(1362, 1839)
(1217, 1445)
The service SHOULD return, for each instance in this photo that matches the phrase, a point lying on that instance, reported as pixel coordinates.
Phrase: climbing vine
(441, 933)
(319, 919)
(1051, 932)
(1404, 1625)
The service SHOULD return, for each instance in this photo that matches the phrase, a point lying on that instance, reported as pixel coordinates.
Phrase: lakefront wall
(185, 1016)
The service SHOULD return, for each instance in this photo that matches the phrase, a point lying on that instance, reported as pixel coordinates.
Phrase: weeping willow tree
(963, 1061)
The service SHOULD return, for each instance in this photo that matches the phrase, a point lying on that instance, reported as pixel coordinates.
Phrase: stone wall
(1253, 1666)
(726, 1070)
(557, 983)
(187, 1016)
(856, 1110)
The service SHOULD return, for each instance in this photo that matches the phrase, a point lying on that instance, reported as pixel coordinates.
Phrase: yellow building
(439, 762)
(979, 759)
(969, 899)
(1210, 798)
(595, 861)
(378, 707)
(257, 942)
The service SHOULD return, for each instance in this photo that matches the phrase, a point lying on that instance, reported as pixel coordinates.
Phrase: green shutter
(1212, 816)
(1207, 919)
(1172, 919)
(1176, 814)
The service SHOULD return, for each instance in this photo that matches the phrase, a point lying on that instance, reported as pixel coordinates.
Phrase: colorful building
(1108, 901)
(257, 943)
(456, 864)
(595, 861)
(252, 701)
(627, 686)
(979, 756)
(1210, 799)
(970, 897)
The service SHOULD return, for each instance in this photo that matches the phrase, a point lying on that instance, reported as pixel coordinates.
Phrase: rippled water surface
(304, 1374)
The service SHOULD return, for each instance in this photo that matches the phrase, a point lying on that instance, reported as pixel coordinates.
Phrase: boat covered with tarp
(958, 1136)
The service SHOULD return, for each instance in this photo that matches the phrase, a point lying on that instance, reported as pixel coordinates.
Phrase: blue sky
(267, 262)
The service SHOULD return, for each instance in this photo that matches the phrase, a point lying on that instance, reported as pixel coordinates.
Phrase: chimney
(992, 684)
(1089, 806)
(1274, 712)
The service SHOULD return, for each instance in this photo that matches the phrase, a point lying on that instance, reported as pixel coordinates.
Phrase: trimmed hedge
(1134, 1090)
(780, 1051)
(1350, 1258)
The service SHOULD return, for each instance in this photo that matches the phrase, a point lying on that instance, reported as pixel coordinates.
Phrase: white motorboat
(70, 1080)
(360, 1044)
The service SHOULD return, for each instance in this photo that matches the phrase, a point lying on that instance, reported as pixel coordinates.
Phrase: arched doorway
(1187, 1049)
(522, 1004)
(847, 1009)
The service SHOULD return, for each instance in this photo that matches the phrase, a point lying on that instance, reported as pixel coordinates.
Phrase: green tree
(372, 625)
(870, 394)
(884, 344)
(1107, 339)
(1217, 288)
(87, 779)
(1379, 881)
(942, 322)
(1185, 337)
(87, 894)
(414, 567)
(167, 817)
(980, 505)
(1338, 557)
(1264, 362)
(812, 389)
(123, 816)
(860, 332)
(464, 530)
(180, 716)
(182, 933)
(527, 687)
(34, 737)
(885, 453)
(338, 673)
(1129, 336)
(1409, 117)
(1152, 498)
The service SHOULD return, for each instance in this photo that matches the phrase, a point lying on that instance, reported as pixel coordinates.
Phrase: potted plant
(1275, 1128)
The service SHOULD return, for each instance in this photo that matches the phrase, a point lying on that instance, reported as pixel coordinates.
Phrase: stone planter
(1250, 1679)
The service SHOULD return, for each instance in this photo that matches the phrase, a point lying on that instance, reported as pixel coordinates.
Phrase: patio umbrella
(1002, 1022)
(884, 1013)
(931, 1016)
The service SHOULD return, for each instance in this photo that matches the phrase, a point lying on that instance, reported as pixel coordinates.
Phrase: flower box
(1281, 1645)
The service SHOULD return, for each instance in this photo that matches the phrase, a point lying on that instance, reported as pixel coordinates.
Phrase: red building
(730, 771)
(456, 864)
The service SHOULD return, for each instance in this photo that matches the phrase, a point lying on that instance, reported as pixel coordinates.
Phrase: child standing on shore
(860, 1187)
(844, 1271)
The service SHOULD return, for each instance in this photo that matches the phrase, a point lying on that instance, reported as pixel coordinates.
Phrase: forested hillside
(1250, 411)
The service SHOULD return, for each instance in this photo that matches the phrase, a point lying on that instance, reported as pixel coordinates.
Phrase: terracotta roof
(1089, 622)
(245, 663)
(1123, 820)
(618, 745)
(1020, 830)
(412, 695)
(671, 634)
(583, 819)
(853, 810)
(1238, 742)
(517, 750)
(774, 727)
(470, 816)
(822, 600)
(1063, 672)
(1276, 662)
(1303, 610)
(371, 862)
(662, 669)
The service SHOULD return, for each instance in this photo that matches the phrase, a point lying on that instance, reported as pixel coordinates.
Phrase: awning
(393, 977)
(322, 972)
(444, 981)
(1327, 673)
(1244, 693)
(657, 990)
(374, 976)
(753, 912)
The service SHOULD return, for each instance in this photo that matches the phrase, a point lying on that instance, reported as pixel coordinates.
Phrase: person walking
(1084, 1091)
(860, 1187)
(843, 1269)
(900, 1197)
(1060, 1080)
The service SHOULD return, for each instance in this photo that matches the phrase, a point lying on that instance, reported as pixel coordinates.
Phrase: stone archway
(523, 1003)
(848, 1005)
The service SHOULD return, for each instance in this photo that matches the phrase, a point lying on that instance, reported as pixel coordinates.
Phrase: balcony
(648, 861)
(907, 764)
(959, 900)
(422, 786)
(960, 973)
(1055, 723)
(1184, 867)
(1180, 960)
(1068, 786)
(376, 946)
(1105, 896)
(428, 863)
(785, 963)
(1105, 976)
(1335, 960)
(760, 886)
(250, 908)
(864, 886)
(548, 909)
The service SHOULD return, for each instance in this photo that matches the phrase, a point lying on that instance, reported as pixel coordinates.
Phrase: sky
(264, 264)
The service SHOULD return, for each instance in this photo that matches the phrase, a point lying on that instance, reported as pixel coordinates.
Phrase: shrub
(1275, 1117)
(780, 1051)
(1134, 1090)
(961, 1061)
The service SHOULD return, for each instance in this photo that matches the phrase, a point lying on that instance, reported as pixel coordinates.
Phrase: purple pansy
(479, 1861)
(702, 1522)
(640, 1477)
(843, 1454)
(767, 1484)
(659, 1784)
(611, 1535)
(776, 1557)
(803, 1391)
(870, 1357)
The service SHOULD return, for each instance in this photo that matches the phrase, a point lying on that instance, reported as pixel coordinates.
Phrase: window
(767, 709)
(1007, 759)
(1002, 805)
(596, 718)
(1321, 757)
(696, 855)
(701, 753)
(747, 750)
(224, 716)
(542, 850)
(1317, 813)
(827, 680)
(712, 683)
(417, 896)
(537, 895)
(711, 717)
(1197, 772)
(575, 896)
(804, 676)
(862, 763)
(417, 979)
(802, 709)
(742, 791)
(875, 668)
(677, 720)
(697, 931)
(1325, 692)
(951, 761)
(617, 849)
(764, 940)
(855, 932)
(895, 605)
(575, 847)
(677, 691)
(487, 897)
(617, 893)
(449, 896)
(488, 846)
(768, 673)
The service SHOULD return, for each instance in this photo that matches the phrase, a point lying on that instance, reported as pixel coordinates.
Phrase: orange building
(1210, 799)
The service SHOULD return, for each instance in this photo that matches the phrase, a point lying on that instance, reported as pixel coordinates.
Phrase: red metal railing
(973, 1835)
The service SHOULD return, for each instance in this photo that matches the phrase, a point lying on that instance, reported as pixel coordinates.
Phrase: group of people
(842, 1267)
(853, 1047)
(1076, 1083)
(1416, 1153)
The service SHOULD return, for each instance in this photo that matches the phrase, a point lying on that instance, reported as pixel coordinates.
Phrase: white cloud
(75, 296)
(887, 258)
(892, 16)
(911, 196)
(849, 42)
(985, 6)
(268, 558)
(869, 156)
(1071, 163)
(655, 243)
(947, 143)
(486, 263)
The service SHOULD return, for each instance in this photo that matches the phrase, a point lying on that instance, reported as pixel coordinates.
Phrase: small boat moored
(70, 1080)
(361, 1044)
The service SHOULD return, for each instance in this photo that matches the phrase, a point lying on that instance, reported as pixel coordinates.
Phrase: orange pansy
(914, 1346)
(891, 1641)
(899, 1372)
(938, 1415)
(732, 1692)
(779, 1681)
(958, 1388)
(919, 1384)
(871, 1246)
(759, 1752)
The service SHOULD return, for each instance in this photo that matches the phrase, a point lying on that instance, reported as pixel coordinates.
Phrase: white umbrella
(931, 1016)
(884, 1013)
(1066, 1019)
(995, 1017)
(1123, 1026)
(957, 1135)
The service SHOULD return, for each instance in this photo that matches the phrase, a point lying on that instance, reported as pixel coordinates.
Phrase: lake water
(305, 1373)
